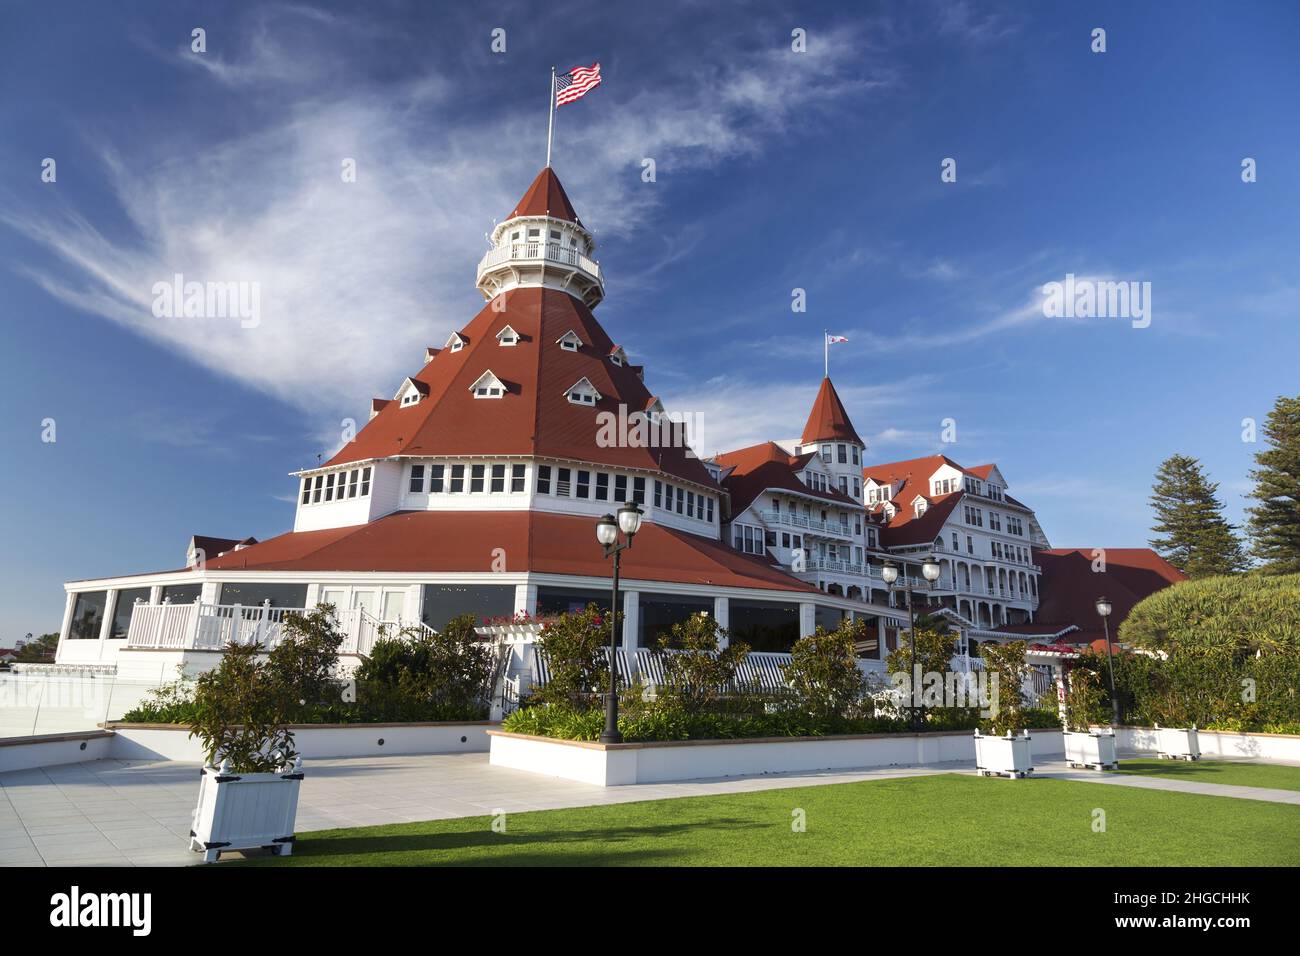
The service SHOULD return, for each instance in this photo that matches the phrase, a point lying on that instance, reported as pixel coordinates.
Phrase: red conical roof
(828, 419)
(546, 197)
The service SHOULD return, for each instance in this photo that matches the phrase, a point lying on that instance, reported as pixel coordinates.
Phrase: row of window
(878, 495)
(598, 486)
(841, 452)
(1010, 552)
(819, 482)
(452, 479)
(336, 486)
(749, 539)
(974, 516)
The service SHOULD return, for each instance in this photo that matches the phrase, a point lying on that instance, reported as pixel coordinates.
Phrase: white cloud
(356, 278)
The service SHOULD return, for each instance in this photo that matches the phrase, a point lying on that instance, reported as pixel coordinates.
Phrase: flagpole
(550, 122)
(826, 353)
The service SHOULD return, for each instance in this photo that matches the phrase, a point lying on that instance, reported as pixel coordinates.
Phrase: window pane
(122, 613)
(254, 593)
(476, 477)
(602, 486)
(498, 478)
(457, 479)
(516, 477)
(435, 478)
(543, 479)
(87, 616)
(638, 490)
(417, 478)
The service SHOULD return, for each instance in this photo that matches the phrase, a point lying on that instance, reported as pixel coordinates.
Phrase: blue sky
(775, 170)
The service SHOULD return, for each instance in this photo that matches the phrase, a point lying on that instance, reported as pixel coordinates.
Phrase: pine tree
(1192, 533)
(1275, 521)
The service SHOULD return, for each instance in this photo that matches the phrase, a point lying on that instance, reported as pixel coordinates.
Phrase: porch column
(807, 618)
(312, 597)
(722, 614)
(525, 599)
(881, 651)
(155, 594)
(68, 604)
(631, 620)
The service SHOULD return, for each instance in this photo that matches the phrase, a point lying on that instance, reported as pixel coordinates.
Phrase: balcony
(514, 257)
(211, 627)
(811, 525)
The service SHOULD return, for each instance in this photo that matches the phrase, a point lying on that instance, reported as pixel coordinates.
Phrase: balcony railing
(791, 520)
(211, 627)
(540, 251)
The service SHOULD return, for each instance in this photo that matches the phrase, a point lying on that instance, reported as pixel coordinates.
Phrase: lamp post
(889, 573)
(1103, 611)
(607, 530)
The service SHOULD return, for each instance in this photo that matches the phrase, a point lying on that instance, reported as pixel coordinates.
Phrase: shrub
(421, 676)
(169, 704)
(1240, 613)
(823, 670)
(699, 673)
(935, 648)
(305, 663)
(574, 645)
(240, 712)
(1008, 662)
(1086, 704)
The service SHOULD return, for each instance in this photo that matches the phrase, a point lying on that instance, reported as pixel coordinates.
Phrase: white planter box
(1178, 743)
(1003, 756)
(245, 811)
(1095, 749)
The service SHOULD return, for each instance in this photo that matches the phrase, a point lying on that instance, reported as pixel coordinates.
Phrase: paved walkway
(137, 813)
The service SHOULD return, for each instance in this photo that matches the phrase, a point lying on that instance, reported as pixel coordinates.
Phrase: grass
(1233, 772)
(938, 820)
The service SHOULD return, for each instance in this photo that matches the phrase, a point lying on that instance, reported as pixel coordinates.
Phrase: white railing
(211, 627)
(792, 520)
(550, 251)
(222, 624)
(162, 625)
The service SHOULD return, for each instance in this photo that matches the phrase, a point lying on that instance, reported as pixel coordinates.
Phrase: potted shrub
(1085, 747)
(248, 791)
(1000, 751)
(1178, 743)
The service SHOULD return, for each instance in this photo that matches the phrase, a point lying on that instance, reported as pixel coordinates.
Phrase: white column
(807, 619)
(631, 620)
(722, 614)
(208, 592)
(69, 603)
(525, 599)
(880, 637)
(312, 597)
(155, 594)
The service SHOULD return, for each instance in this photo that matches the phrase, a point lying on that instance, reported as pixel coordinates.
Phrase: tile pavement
(137, 813)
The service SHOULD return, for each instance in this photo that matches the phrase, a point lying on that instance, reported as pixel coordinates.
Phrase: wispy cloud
(355, 278)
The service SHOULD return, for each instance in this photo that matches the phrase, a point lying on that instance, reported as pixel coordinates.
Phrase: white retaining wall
(49, 750)
(1217, 743)
(618, 764)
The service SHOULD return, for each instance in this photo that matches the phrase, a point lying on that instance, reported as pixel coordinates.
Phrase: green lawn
(1233, 772)
(939, 820)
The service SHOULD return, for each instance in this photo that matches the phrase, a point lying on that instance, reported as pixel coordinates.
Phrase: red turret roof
(828, 420)
(534, 417)
(546, 197)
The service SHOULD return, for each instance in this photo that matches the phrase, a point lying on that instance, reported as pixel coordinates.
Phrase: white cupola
(542, 244)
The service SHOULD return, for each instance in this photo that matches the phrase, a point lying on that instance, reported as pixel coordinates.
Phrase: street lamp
(1103, 611)
(889, 574)
(607, 531)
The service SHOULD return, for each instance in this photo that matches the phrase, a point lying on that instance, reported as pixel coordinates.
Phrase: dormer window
(507, 337)
(618, 356)
(410, 393)
(455, 343)
(582, 392)
(919, 505)
(569, 341)
(488, 386)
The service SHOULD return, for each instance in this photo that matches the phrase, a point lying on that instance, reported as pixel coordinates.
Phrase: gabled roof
(546, 197)
(1069, 587)
(211, 547)
(751, 471)
(534, 417)
(535, 541)
(906, 528)
(828, 421)
(915, 469)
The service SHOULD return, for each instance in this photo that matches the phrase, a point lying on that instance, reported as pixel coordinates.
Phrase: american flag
(576, 84)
